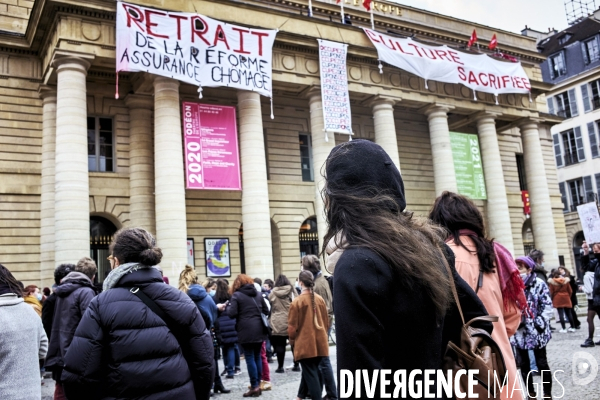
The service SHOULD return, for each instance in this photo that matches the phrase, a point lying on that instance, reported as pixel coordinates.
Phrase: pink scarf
(511, 284)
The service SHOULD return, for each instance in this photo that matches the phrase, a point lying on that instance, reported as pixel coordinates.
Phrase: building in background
(573, 68)
(76, 164)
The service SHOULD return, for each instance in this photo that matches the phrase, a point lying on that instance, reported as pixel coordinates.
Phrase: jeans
(532, 364)
(544, 369)
(311, 384)
(253, 362)
(328, 380)
(229, 351)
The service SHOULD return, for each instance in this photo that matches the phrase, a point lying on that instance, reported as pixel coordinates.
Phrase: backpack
(476, 350)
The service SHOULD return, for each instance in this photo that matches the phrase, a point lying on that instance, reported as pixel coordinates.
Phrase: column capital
(381, 100)
(528, 122)
(484, 117)
(162, 79)
(68, 59)
(139, 101)
(313, 93)
(436, 108)
(47, 93)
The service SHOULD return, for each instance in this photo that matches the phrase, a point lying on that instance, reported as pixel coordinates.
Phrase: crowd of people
(393, 305)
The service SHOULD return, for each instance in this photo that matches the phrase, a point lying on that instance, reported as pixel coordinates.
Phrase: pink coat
(467, 266)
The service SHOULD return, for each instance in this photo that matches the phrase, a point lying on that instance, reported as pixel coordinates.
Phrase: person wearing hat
(534, 331)
(393, 301)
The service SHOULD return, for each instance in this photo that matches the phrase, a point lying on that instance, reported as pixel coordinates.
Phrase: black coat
(382, 324)
(123, 350)
(245, 306)
(227, 333)
(592, 264)
(48, 314)
(73, 296)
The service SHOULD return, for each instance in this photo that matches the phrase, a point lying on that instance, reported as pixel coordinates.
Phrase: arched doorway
(528, 240)
(101, 234)
(577, 242)
(309, 237)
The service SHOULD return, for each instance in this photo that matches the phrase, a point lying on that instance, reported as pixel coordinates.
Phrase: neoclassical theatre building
(76, 164)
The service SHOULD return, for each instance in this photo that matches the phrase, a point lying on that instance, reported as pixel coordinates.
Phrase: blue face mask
(39, 297)
(524, 276)
(212, 293)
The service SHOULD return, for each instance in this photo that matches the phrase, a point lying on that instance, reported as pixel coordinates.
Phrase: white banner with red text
(441, 63)
(194, 49)
(334, 87)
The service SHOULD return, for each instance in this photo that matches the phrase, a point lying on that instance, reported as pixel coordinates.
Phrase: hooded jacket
(281, 297)
(73, 296)
(205, 304)
(245, 306)
(123, 350)
(22, 343)
(590, 264)
(560, 291)
(534, 330)
(382, 322)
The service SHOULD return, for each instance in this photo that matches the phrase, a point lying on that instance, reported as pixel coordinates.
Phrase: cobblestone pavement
(560, 351)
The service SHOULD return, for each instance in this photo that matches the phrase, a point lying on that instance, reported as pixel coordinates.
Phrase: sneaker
(571, 330)
(588, 343)
(280, 371)
(238, 371)
(224, 372)
(264, 385)
(562, 331)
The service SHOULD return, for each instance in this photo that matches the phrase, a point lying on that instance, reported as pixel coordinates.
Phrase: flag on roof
(473, 39)
(367, 4)
(493, 42)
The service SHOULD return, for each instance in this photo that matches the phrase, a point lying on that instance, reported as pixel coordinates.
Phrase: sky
(509, 15)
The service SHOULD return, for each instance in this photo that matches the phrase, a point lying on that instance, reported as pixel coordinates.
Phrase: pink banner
(211, 149)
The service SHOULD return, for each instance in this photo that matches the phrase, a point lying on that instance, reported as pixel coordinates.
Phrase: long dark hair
(308, 280)
(282, 280)
(373, 219)
(456, 212)
(7, 279)
(222, 294)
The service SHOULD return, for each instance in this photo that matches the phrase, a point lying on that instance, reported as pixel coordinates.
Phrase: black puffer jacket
(227, 332)
(73, 296)
(245, 306)
(123, 350)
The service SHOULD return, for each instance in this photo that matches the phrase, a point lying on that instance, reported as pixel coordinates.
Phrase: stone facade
(146, 188)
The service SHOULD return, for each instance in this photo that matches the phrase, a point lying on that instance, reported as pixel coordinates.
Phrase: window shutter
(588, 189)
(573, 102)
(563, 195)
(550, 101)
(551, 68)
(598, 183)
(587, 107)
(579, 143)
(557, 151)
(586, 58)
(591, 126)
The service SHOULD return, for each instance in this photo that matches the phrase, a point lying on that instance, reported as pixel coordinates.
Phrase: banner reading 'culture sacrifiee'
(441, 63)
(194, 48)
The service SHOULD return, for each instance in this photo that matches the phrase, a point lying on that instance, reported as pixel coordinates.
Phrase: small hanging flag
(493, 42)
(367, 4)
(473, 39)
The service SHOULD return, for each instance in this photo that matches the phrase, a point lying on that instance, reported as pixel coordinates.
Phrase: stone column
(443, 162)
(320, 151)
(171, 221)
(48, 96)
(141, 163)
(72, 191)
(256, 214)
(498, 215)
(542, 218)
(385, 127)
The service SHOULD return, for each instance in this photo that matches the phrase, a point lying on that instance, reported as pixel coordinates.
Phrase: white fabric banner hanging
(194, 48)
(441, 63)
(334, 87)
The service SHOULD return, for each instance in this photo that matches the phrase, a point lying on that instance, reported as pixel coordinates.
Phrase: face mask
(39, 296)
(542, 264)
(524, 276)
(212, 293)
(298, 285)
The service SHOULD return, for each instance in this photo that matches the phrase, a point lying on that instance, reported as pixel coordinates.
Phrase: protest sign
(590, 222)
(194, 48)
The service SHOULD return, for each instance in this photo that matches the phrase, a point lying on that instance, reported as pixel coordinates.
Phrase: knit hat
(365, 169)
(528, 261)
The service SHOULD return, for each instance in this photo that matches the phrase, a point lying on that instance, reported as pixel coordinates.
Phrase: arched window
(101, 234)
(309, 237)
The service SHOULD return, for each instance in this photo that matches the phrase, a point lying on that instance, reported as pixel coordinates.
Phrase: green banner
(467, 165)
